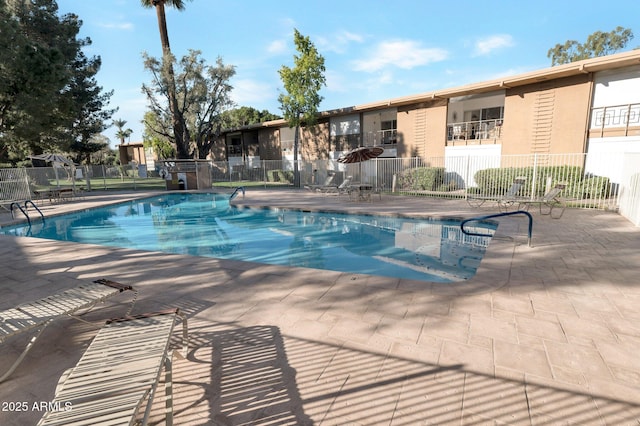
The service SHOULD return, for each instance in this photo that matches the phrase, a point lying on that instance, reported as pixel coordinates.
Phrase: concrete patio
(542, 335)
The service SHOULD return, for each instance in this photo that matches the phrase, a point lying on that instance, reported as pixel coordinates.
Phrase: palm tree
(162, 20)
(122, 133)
(179, 126)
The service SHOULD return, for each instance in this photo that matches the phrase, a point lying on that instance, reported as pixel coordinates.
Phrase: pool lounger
(504, 201)
(548, 202)
(40, 313)
(119, 370)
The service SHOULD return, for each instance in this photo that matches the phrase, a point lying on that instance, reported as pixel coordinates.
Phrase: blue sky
(373, 50)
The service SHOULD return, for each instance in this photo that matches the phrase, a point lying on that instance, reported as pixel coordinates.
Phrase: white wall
(617, 87)
(605, 156)
(462, 162)
(630, 188)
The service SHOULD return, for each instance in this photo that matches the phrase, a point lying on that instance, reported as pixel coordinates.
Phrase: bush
(499, 180)
(595, 187)
(422, 178)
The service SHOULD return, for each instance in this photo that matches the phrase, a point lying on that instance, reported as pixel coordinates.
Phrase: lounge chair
(118, 372)
(40, 313)
(549, 201)
(509, 198)
(343, 188)
(328, 182)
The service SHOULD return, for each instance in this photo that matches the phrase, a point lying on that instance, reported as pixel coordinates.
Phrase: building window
(389, 131)
(234, 146)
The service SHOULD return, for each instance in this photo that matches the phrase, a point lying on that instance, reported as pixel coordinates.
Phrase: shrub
(498, 180)
(422, 178)
(595, 187)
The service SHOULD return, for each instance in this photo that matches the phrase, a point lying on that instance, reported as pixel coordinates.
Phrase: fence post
(535, 175)
(87, 177)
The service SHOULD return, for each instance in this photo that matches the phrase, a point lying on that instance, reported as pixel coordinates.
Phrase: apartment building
(584, 107)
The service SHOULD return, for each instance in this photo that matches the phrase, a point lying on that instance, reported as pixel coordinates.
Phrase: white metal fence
(610, 182)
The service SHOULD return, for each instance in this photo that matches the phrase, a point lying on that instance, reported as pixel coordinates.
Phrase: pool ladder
(25, 209)
(234, 194)
(530, 231)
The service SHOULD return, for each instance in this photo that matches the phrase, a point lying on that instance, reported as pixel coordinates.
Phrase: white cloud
(126, 26)
(336, 82)
(487, 45)
(248, 92)
(338, 42)
(405, 54)
(277, 47)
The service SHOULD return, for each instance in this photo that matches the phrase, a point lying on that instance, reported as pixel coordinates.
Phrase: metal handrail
(24, 211)
(235, 192)
(498, 215)
(35, 207)
(15, 203)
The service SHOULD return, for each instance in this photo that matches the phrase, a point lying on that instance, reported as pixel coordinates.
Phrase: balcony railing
(476, 131)
(381, 137)
(615, 120)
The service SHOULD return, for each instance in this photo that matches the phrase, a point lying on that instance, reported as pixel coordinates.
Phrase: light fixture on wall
(455, 116)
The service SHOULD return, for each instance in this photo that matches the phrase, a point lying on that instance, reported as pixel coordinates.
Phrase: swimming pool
(206, 225)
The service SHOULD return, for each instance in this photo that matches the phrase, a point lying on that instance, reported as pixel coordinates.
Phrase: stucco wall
(547, 118)
(314, 141)
(422, 131)
(269, 140)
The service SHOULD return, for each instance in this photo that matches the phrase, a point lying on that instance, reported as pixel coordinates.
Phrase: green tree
(87, 114)
(203, 94)
(181, 136)
(105, 155)
(151, 136)
(245, 116)
(598, 44)
(49, 99)
(302, 83)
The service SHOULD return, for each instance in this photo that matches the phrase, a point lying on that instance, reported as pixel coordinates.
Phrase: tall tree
(598, 44)
(179, 128)
(302, 83)
(203, 94)
(87, 114)
(49, 98)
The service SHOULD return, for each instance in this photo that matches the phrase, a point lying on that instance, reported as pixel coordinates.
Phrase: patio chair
(119, 372)
(549, 201)
(37, 315)
(504, 201)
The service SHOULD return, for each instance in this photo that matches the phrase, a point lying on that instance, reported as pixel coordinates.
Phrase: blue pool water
(206, 225)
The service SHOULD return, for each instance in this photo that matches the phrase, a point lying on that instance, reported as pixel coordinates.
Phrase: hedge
(422, 178)
(498, 181)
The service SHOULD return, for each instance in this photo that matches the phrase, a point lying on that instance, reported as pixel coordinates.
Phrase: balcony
(381, 137)
(474, 132)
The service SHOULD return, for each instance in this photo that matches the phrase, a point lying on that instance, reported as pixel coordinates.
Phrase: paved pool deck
(545, 334)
